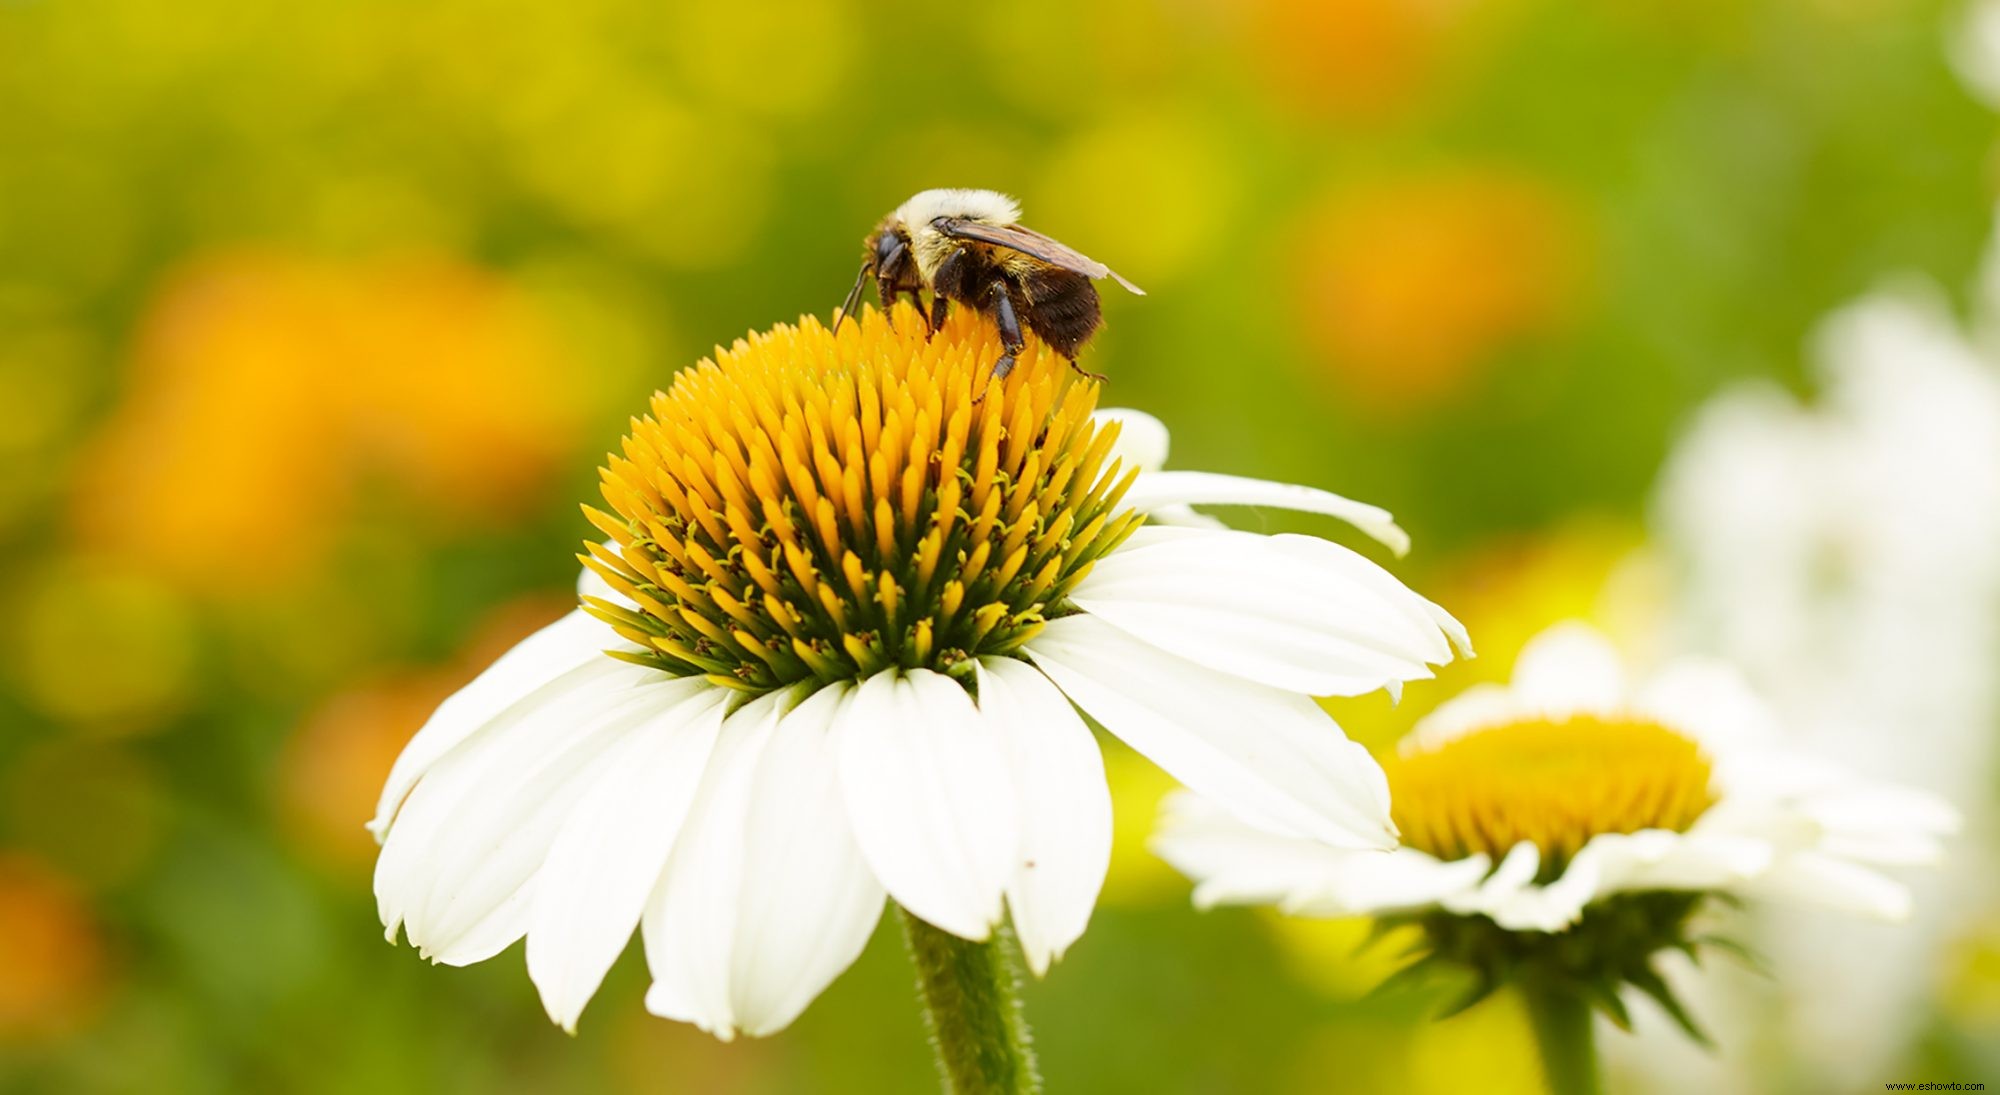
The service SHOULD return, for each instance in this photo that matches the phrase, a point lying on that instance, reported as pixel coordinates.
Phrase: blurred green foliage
(1474, 261)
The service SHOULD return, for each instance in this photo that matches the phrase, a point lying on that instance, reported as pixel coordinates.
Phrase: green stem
(1564, 1032)
(972, 1008)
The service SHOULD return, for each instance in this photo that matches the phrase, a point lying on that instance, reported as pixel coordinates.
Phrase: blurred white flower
(1528, 804)
(848, 609)
(1847, 554)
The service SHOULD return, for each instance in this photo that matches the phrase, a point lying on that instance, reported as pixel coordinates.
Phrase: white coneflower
(850, 596)
(1562, 830)
(1840, 550)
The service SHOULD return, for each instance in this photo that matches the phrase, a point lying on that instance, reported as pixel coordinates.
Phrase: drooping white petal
(1515, 873)
(489, 844)
(534, 662)
(1711, 702)
(1658, 860)
(1237, 864)
(690, 923)
(926, 784)
(554, 732)
(1567, 669)
(1813, 878)
(1292, 612)
(1270, 756)
(765, 899)
(1477, 708)
(1154, 490)
(1064, 807)
(501, 816)
(609, 855)
(809, 902)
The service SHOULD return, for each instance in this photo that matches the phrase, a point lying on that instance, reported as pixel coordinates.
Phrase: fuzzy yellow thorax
(1553, 782)
(809, 505)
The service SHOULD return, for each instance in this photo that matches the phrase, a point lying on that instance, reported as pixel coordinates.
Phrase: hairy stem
(972, 1008)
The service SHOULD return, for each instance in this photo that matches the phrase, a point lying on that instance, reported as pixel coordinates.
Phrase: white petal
(1292, 612)
(1477, 708)
(1862, 809)
(1234, 863)
(1064, 807)
(1155, 490)
(766, 899)
(1710, 701)
(1515, 874)
(495, 839)
(1567, 669)
(534, 662)
(1270, 756)
(925, 781)
(1238, 864)
(809, 902)
(1695, 860)
(691, 920)
(609, 855)
(1812, 878)
(504, 788)
(1142, 439)
(1375, 882)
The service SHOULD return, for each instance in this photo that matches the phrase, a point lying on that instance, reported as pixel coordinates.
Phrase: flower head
(854, 595)
(1575, 806)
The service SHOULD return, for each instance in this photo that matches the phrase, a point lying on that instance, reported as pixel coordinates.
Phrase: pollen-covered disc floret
(1553, 783)
(812, 505)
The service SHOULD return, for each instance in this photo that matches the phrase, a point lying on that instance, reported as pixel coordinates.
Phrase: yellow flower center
(1553, 783)
(817, 506)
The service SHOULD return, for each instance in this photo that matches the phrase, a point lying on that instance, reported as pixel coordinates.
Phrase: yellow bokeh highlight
(1409, 286)
(1489, 1049)
(101, 646)
(53, 960)
(680, 185)
(1149, 194)
(266, 388)
(777, 58)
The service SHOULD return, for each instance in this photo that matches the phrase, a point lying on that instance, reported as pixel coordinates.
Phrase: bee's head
(887, 249)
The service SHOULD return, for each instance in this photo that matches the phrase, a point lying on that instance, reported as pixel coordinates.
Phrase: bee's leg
(1009, 325)
(889, 280)
(1081, 371)
(940, 307)
(917, 300)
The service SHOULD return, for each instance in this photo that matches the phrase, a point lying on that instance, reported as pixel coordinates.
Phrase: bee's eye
(887, 247)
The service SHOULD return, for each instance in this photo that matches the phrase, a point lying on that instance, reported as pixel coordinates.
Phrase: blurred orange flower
(1409, 286)
(333, 767)
(1353, 59)
(265, 388)
(52, 956)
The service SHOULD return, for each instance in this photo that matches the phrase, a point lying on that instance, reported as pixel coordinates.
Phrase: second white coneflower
(1559, 832)
(852, 598)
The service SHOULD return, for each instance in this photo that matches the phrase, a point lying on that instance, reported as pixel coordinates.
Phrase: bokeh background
(316, 318)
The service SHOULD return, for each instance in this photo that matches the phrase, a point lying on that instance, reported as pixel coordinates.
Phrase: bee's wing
(1030, 242)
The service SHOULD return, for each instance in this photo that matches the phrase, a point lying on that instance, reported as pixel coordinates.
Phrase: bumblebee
(968, 246)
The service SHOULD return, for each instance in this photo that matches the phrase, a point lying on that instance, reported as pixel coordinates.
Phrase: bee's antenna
(853, 295)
